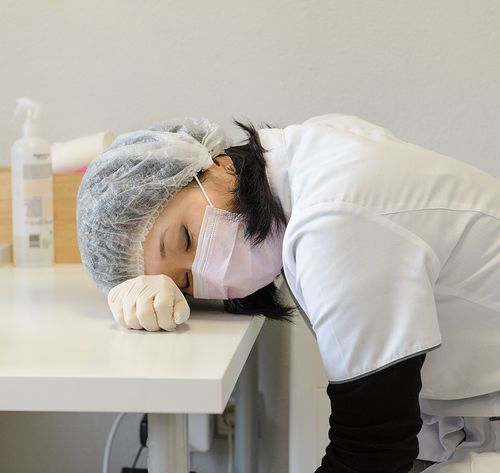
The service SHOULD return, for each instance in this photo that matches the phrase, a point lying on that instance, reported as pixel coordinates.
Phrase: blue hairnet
(125, 189)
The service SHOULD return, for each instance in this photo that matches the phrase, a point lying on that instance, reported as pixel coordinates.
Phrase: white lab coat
(392, 250)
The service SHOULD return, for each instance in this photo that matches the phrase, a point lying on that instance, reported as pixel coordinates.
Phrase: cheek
(149, 270)
(195, 219)
(152, 265)
(195, 227)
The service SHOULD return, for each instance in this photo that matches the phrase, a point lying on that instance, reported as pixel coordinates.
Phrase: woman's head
(142, 189)
(170, 246)
(124, 190)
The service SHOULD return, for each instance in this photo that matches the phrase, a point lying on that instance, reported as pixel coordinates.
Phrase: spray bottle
(32, 192)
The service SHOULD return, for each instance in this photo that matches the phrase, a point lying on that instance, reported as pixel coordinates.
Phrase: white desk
(61, 350)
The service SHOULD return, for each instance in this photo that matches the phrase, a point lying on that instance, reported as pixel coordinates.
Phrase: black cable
(136, 459)
(143, 430)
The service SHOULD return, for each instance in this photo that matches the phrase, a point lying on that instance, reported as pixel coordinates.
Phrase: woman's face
(170, 246)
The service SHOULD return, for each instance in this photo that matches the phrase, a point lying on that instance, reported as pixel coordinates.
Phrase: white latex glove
(152, 302)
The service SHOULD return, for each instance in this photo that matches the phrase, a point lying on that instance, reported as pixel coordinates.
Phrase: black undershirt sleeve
(375, 421)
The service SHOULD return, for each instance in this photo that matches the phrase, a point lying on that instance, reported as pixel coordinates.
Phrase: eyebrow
(162, 244)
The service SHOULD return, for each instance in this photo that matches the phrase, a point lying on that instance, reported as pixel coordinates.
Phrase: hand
(152, 302)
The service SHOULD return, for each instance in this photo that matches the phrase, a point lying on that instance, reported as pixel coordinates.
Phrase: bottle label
(32, 208)
(33, 194)
(37, 171)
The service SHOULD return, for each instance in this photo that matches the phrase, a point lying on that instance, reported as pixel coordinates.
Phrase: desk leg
(246, 415)
(168, 443)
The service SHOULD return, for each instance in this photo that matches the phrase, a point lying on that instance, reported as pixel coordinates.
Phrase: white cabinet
(309, 403)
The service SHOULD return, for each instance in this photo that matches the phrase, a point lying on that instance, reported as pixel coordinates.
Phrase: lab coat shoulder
(366, 285)
(350, 123)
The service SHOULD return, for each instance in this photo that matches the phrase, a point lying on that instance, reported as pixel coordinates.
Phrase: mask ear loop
(203, 190)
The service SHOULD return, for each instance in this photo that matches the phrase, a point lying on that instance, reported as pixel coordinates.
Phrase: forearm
(375, 421)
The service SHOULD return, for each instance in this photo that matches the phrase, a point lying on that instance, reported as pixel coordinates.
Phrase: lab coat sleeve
(374, 421)
(365, 284)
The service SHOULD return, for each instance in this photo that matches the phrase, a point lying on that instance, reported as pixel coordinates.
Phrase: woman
(391, 252)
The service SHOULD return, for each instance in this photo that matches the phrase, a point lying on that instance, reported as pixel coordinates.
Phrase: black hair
(262, 214)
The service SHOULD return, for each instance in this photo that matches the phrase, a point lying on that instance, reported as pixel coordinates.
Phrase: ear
(226, 162)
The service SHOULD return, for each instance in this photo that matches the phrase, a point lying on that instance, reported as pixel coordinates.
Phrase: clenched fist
(152, 302)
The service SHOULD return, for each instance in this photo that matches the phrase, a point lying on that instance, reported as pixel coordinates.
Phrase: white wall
(427, 70)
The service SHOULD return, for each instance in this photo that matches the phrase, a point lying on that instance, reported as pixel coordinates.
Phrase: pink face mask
(225, 265)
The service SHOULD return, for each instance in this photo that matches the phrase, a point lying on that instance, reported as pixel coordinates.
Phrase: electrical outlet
(224, 423)
(199, 428)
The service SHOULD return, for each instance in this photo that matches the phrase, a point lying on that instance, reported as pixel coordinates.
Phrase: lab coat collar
(277, 165)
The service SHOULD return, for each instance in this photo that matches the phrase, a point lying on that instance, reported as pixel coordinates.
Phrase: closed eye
(188, 245)
(187, 239)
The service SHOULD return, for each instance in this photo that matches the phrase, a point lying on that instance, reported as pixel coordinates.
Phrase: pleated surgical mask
(226, 265)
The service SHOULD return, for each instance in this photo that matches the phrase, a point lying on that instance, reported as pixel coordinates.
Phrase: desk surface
(61, 350)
